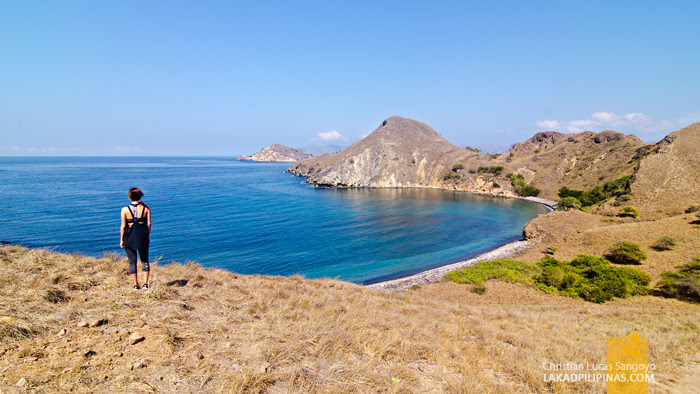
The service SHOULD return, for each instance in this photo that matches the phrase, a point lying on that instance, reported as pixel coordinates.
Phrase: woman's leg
(145, 266)
(131, 255)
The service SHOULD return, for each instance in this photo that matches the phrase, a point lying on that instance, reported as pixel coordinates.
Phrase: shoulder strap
(128, 208)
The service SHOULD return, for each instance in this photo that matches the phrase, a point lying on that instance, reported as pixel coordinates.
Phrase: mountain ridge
(404, 152)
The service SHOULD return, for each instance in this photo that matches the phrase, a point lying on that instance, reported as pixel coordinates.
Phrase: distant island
(276, 153)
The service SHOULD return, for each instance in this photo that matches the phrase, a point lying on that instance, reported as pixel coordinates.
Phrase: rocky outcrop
(277, 152)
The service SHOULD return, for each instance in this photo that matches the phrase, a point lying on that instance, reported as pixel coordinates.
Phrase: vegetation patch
(568, 203)
(626, 253)
(457, 167)
(683, 283)
(664, 243)
(692, 209)
(619, 188)
(521, 187)
(588, 277)
(495, 170)
(628, 212)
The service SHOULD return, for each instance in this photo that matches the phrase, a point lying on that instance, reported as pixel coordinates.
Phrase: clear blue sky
(228, 77)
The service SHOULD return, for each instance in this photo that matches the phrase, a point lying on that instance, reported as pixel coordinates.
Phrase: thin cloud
(127, 149)
(548, 124)
(331, 136)
(635, 122)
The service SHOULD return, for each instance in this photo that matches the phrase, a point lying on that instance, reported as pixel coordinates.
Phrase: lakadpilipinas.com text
(585, 372)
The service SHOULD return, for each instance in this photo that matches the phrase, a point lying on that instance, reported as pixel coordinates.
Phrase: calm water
(250, 217)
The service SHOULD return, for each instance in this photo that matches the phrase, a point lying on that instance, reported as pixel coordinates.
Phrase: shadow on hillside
(177, 282)
(681, 296)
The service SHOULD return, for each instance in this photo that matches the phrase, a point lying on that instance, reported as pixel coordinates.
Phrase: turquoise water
(250, 218)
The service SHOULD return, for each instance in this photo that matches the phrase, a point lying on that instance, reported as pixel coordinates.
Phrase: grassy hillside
(210, 330)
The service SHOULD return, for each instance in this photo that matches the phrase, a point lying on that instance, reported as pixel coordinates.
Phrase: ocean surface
(250, 218)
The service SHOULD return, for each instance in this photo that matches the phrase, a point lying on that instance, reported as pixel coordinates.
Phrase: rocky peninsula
(277, 153)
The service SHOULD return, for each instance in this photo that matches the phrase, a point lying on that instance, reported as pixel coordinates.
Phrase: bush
(521, 188)
(457, 167)
(530, 191)
(496, 185)
(501, 269)
(448, 176)
(495, 170)
(626, 253)
(384, 122)
(566, 192)
(588, 277)
(628, 212)
(479, 288)
(692, 208)
(664, 243)
(616, 188)
(684, 283)
(567, 203)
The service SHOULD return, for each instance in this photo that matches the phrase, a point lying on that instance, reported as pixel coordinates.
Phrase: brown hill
(667, 179)
(277, 152)
(551, 160)
(400, 152)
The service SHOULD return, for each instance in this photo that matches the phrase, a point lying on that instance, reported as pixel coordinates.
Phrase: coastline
(436, 274)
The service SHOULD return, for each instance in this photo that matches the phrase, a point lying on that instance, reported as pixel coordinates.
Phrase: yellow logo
(628, 365)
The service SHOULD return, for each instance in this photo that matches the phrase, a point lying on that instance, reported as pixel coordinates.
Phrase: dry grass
(575, 232)
(215, 331)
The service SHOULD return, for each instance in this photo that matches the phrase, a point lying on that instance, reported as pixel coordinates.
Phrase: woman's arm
(121, 229)
(148, 222)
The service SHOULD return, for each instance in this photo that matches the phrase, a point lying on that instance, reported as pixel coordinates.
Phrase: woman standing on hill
(136, 234)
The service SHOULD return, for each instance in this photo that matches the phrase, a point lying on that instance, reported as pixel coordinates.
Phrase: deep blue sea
(250, 218)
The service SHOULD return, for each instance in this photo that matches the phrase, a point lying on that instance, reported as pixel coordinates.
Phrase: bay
(250, 218)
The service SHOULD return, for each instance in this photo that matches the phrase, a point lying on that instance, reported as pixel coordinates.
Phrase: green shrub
(521, 188)
(626, 253)
(351, 161)
(588, 277)
(478, 288)
(501, 269)
(566, 192)
(319, 170)
(530, 191)
(692, 209)
(664, 243)
(616, 188)
(496, 170)
(384, 122)
(496, 185)
(628, 212)
(567, 203)
(683, 283)
(457, 167)
(448, 176)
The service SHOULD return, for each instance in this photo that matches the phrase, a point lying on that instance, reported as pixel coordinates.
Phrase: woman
(136, 234)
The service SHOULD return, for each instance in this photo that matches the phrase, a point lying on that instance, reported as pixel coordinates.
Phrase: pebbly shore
(436, 274)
